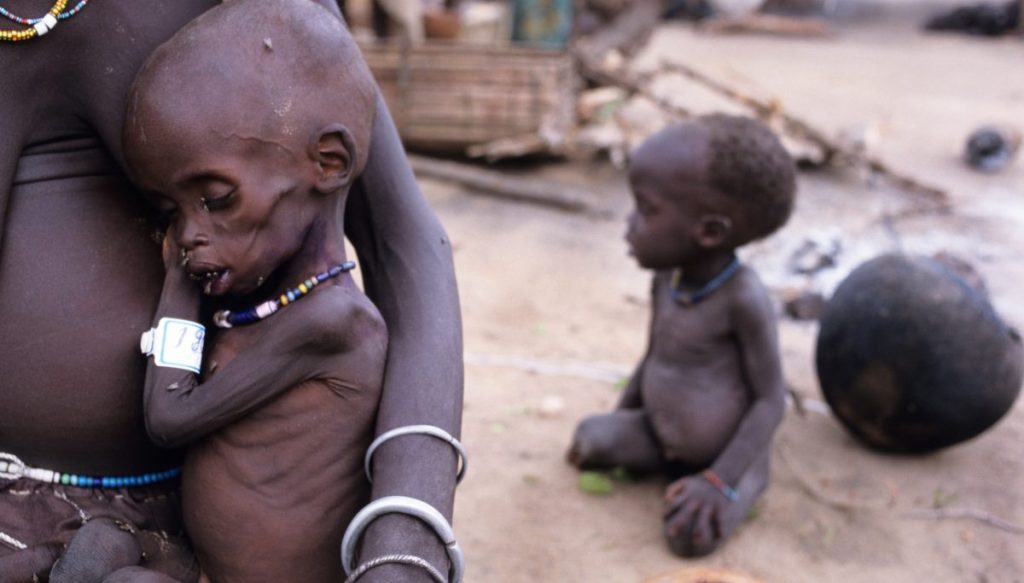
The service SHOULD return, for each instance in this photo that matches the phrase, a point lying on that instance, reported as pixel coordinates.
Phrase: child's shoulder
(340, 316)
(746, 281)
(748, 296)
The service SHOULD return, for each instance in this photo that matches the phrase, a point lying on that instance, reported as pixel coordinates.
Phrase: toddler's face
(238, 207)
(666, 192)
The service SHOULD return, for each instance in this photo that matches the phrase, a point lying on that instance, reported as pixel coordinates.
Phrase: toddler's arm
(754, 321)
(698, 504)
(295, 346)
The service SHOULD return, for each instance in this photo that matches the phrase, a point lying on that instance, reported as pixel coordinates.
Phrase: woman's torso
(79, 267)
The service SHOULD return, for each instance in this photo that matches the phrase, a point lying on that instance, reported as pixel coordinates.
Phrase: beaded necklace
(702, 294)
(229, 319)
(39, 26)
(32, 21)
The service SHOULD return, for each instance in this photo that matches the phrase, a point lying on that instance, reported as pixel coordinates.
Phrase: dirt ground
(555, 314)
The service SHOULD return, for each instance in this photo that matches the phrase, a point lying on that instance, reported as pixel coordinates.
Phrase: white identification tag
(175, 343)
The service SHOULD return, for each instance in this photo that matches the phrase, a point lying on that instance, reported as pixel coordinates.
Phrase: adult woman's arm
(406, 262)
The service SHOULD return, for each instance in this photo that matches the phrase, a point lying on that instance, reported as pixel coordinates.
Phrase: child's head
(250, 125)
(710, 184)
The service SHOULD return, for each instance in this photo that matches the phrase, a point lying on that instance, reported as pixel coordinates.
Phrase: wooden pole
(495, 183)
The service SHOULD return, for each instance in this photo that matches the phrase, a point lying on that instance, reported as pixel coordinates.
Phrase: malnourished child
(707, 397)
(248, 127)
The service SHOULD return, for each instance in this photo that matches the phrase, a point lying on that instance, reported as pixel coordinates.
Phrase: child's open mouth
(214, 280)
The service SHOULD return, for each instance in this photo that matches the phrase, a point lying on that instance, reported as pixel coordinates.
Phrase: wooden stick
(485, 181)
(800, 129)
(767, 110)
(936, 198)
(827, 499)
(509, 147)
(968, 513)
(633, 84)
(769, 23)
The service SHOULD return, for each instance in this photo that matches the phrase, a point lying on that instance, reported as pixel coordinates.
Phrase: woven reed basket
(450, 96)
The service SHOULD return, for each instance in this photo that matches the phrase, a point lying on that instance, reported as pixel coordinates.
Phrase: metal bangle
(424, 429)
(412, 507)
(400, 559)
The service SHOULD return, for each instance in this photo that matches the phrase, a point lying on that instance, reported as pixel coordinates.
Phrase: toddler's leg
(620, 438)
(99, 548)
(699, 537)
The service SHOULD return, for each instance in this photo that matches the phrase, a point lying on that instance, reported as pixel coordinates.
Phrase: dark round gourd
(911, 358)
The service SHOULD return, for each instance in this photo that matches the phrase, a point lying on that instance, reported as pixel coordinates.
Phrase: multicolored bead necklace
(12, 468)
(38, 26)
(688, 299)
(229, 319)
(32, 21)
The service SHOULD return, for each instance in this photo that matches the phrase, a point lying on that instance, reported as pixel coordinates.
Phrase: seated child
(248, 127)
(705, 400)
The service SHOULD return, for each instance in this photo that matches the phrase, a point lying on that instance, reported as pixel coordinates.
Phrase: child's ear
(713, 230)
(334, 151)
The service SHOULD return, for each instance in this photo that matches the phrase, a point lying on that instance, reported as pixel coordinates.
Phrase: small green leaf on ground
(941, 498)
(595, 483)
(753, 513)
(621, 474)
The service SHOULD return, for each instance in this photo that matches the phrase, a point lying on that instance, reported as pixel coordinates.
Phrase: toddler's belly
(694, 417)
(269, 498)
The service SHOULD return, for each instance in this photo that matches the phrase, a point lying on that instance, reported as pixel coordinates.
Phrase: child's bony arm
(756, 333)
(293, 348)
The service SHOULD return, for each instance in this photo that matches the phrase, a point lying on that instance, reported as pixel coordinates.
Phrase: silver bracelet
(400, 559)
(426, 430)
(412, 507)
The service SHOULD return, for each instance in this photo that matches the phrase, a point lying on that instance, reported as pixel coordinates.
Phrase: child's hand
(693, 505)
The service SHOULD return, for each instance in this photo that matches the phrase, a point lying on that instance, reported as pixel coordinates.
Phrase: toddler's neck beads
(38, 26)
(690, 299)
(229, 319)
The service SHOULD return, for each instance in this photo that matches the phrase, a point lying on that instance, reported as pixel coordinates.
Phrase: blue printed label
(179, 344)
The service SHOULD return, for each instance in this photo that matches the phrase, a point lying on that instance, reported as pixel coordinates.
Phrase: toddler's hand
(695, 506)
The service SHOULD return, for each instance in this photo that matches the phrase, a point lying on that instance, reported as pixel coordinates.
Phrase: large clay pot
(911, 358)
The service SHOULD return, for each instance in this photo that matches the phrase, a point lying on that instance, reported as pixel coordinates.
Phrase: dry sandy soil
(555, 313)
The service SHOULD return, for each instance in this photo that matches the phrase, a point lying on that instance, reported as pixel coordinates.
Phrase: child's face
(668, 183)
(239, 207)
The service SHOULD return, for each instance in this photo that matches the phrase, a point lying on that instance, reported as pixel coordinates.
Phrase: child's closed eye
(217, 202)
